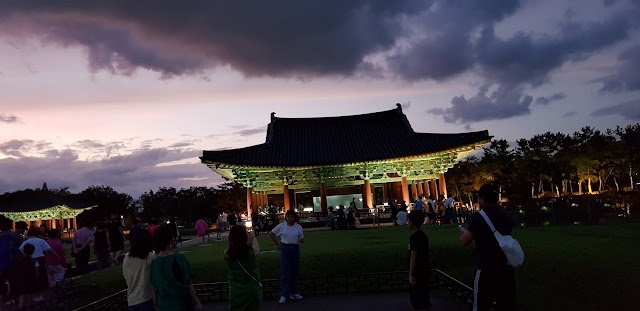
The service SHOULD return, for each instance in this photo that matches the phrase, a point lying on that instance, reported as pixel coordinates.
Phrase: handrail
(362, 282)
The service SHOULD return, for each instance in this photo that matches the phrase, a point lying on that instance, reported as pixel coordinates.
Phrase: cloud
(629, 110)
(286, 38)
(627, 76)
(569, 114)
(133, 173)
(406, 105)
(525, 59)
(7, 118)
(251, 131)
(467, 127)
(505, 102)
(544, 101)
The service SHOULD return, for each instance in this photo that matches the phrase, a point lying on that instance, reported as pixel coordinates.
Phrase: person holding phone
(245, 289)
(286, 237)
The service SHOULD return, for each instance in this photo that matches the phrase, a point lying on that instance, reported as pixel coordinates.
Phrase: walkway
(350, 302)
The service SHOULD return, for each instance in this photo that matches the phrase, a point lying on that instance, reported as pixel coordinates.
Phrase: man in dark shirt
(419, 263)
(494, 285)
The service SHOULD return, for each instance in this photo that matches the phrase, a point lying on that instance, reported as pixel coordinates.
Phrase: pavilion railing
(325, 285)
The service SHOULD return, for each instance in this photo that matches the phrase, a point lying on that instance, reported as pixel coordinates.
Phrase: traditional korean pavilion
(37, 207)
(345, 154)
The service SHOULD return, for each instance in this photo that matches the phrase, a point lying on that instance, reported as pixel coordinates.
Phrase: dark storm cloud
(569, 114)
(525, 59)
(443, 47)
(505, 102)
(542, 100)
(627, 76)
(283, 38)
(629, 110)
(7, 118)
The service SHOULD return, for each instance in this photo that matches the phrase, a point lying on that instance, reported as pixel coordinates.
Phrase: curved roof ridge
(397, 109)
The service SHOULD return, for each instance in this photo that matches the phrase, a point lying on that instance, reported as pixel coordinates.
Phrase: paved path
(351, 302)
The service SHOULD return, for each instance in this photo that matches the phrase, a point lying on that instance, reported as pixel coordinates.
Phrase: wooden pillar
(414, 190)
(323, 197)
(13, 225)
(294, 202)
(249, 201)
(419, 186)
(75, 224)
(385, 197)
(434, 189)
(266, 199)
(425, 188)
(405, 190)
(285, 193)
(443, 186)
(367, 193)
(53, 223)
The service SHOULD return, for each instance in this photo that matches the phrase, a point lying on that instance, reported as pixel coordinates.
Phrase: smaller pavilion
(37, 207)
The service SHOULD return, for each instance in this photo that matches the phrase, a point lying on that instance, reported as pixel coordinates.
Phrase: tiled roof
(345, 139)
(35, 200)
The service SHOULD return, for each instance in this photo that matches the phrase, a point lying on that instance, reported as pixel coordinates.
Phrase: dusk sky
(128, 93)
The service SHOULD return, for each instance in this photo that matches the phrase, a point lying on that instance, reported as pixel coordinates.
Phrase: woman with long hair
(136, 270)
(245, 289)
(171, 276)
(286, 237)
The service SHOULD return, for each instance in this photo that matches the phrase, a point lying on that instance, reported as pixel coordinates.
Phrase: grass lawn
(566, 267)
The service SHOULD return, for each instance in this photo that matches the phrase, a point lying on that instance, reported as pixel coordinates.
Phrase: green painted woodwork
(272, 179)
(57, 212)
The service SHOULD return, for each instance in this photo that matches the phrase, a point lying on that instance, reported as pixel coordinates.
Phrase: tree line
(186, 205)
(553, 164)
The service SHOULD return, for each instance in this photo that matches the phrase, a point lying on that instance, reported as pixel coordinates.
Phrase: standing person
(81, 248)
(9, 251)
(136, 272)
(450, 210)
(494, 285)
(232, 219)
(116, 239)
(25, 275)
(331, 218)
(224, 217)
(171, 276)
(376, 216)
(290, 235)
(419, 265)
(41, 247)
(55, 260)
(201, 228)
(245, 289)
(402, 218)
(220, 227)
(431, 214)
(419, 204)
(102, 246)
(153, 226)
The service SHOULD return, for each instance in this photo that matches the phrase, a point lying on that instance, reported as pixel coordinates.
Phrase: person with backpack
(9, 243)
(494, 285)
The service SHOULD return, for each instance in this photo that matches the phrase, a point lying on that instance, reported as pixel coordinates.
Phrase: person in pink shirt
(55, 264)
(201, 227)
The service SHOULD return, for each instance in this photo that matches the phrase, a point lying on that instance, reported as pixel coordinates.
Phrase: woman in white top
(290, 234)
(41, 247)
(135, 268)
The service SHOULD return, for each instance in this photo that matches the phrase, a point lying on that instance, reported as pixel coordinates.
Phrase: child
(220, 227)
(25, 277)
(419, 263)
(55, 264)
